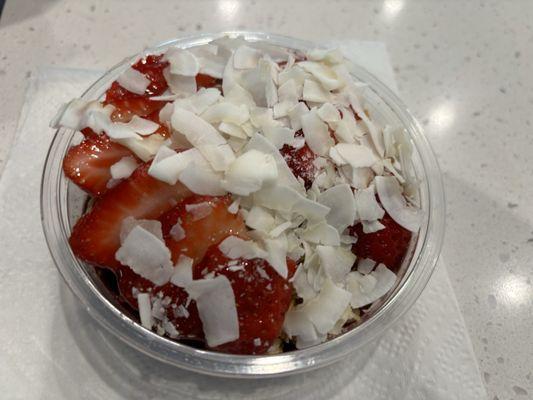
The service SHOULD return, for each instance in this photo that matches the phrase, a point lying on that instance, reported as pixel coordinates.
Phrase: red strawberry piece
(88, 133)
(174, 302)
(388, 246)
(152, 67)
(96, 236)
(88, 164)
(300, 161)
(128, 103)
(262, 299)
(206, 81)
(200, 231)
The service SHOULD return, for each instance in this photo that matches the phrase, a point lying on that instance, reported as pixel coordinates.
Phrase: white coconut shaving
(134, 81)
(215, 301)
(147, 255)
(123, 168)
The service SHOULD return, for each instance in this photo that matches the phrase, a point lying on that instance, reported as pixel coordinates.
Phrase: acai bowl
(242, 204)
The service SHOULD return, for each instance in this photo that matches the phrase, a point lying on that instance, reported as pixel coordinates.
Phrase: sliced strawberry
(262, 298)
(388, 246)
(206, 81)
(128, 103)
(300, 161)
(96, 236)
(88, 133)
(88, 164)
(200, 231)
(152, 67)
(187, 323)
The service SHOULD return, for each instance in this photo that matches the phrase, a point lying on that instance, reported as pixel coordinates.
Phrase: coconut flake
(182, 275)
(277, 254)
(390, 195)
(215, 301)
(141, 126)
(278, 230)
(358, 156)
(321, 233)
(204, 98)
(133, 81)
(325, 309)
(177, 232)
(290, 92)
(316, 133)
(238, 95)
(375, 133)
(199, 210)
(295, 115)
(282, 109)
(79, 114)
(372, 226)
(285, 176)
(330, 56)
(389, 141)
(324, 74)
(259, 83)
(146, 255)
(246, 57)
(144, 148)
(181, 312)
(341, 201)
(190, 168)
(298, 325)
(211, 60)
(278, 135)
(365, 265)
(166, 112)
(368, 209)
(204, 137)
(260, 219)
(145, 310)
(200, 178)
(226, 112)
(283, 198)
(234, 206)
(314, 92)
(232, 130)
(234, 247)
(123, 168)
(336, 261)
(182, 62)
(359, 178)
(389, 166)
(180, 84)
(150, 225)
(168, 165)
(167, 96)
(366, 289)
(301, 284)
(249, 172)
(329, 113)
(71, 115)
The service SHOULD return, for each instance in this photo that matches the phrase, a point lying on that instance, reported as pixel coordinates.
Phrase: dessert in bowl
(249, 204)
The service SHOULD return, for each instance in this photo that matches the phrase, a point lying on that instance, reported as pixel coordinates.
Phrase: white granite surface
(464, 69)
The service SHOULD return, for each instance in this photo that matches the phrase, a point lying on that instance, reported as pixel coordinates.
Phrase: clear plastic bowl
(62, 203)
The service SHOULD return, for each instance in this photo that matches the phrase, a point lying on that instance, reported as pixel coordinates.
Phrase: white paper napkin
(50, 348)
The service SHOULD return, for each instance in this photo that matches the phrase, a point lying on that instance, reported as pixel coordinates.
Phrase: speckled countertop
(464, 69)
